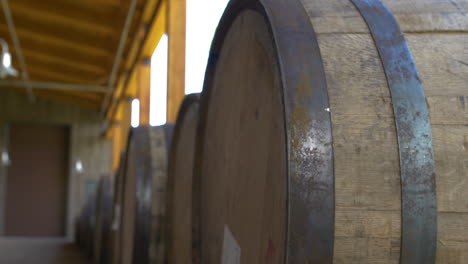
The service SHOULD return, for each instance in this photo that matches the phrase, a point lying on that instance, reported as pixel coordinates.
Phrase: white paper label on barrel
(231, 249)
(116, 221)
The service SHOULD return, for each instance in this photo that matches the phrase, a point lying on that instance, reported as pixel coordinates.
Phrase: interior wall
(86, 144)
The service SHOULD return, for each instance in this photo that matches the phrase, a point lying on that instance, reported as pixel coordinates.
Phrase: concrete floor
(39, 251)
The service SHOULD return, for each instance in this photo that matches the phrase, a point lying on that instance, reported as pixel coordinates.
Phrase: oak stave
(179, 226)
(103, 219)
(143, 201)
(250, 116)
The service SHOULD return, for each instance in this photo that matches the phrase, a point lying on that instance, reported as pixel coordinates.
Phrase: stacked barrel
(327, 132)
(123, 222)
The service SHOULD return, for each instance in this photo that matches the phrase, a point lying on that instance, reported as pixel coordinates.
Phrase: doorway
(37, 180)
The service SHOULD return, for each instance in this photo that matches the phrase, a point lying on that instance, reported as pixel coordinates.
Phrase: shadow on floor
(39, 251)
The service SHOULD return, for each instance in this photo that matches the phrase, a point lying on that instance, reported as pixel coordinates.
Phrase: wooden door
(37, 181)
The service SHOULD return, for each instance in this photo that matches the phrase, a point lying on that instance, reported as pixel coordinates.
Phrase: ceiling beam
(36, 40)
(152, 27)
(60, 64)
(53, 86)
(92, 99)
(17, 46)
(39, 73)
(44, 14)
(92, 39)
(157, 26)
(118, 55)
(63, 97)
(86, 76)
(89, 68)
(90, 96)
(54, 53)
(68, 98)
(96, 14)
(94, 3)
(176, 28)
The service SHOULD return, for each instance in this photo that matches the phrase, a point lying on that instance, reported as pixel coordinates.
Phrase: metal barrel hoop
(417, 169)
(311, 194)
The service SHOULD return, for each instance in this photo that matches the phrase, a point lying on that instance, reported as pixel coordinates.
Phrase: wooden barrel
(144, 195)
(103, 220)
(82, 226)
(78, 233)
(179, 186)
(88, 226)
(335, 132)
(117, 210)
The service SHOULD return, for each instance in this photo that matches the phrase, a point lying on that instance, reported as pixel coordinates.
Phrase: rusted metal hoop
(417, 169)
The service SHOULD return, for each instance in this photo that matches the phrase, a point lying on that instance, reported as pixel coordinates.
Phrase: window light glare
(7, 60)
(158, 94)
(79, 166)
(5, 158)
(200, 31)
(135, 113)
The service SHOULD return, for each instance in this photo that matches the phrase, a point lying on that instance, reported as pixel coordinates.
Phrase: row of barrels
(132, 216)
(94, 225)
(327, 132)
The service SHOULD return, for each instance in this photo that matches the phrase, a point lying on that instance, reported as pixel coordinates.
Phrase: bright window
(202, 20)
(158, 94)
(135, 113)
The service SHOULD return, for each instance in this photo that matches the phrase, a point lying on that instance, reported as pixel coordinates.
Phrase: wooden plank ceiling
(71, 41)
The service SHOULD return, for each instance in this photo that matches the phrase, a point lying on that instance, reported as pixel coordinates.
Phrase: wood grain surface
(243, 162)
